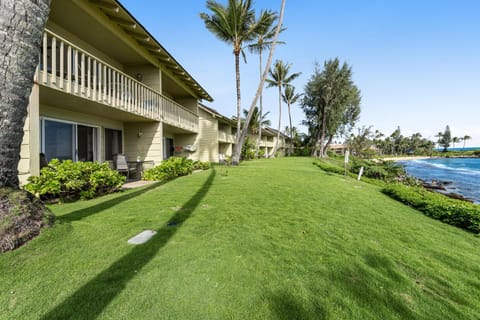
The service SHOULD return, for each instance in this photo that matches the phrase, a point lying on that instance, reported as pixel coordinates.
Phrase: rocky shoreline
(442, 187)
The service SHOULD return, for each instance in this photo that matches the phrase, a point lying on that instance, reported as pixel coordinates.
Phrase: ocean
(462, 173)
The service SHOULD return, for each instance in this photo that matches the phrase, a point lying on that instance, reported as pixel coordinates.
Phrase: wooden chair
(121, 165)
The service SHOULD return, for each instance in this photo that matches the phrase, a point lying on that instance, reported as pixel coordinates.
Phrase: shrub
(388, 171)
(458, 213)
(261, 153)
(174, 167)
(68, 180)
(199, 165)
(329, 167)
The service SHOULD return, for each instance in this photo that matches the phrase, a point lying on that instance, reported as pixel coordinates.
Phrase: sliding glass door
(67, 140)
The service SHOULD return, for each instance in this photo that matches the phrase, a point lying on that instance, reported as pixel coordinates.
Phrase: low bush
(381, 170)
(68, 180)
(199, 165)
(174, 167)
(329, 167)
(458, 213)
(339, 170)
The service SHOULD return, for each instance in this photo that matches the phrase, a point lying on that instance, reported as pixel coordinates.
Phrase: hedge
(457, 213)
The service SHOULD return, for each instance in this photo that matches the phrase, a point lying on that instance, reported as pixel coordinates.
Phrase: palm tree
(22, 23)
(465, 138)
(236, 24)
(279, 77)
(290, 97)
(263, 42)
(439, 136)
(257, 121)
(455, 140)
(237, 148)
(19, 56)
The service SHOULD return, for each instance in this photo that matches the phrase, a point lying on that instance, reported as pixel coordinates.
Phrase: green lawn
(271, 239)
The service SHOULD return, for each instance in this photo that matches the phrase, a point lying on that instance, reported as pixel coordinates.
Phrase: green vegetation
(458, 213)
(280, 78)
(68, 180)
(331, 104)
(406, 189)
(174, 167)
(272, 239)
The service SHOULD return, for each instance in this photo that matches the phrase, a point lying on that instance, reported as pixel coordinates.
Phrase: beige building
(217, 135)
(104, 86)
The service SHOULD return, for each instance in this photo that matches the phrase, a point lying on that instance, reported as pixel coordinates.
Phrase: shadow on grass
(373, 286)
(286, 306)
(89, 301)
(86, 212)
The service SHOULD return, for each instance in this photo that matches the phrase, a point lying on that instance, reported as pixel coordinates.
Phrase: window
(66, 140)
(168, 148)
(113, 143)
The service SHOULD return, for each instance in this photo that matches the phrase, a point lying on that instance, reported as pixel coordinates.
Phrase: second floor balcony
(224, 136)
(66, 67)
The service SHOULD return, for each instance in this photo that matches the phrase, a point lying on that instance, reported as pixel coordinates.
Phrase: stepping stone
(142, 237)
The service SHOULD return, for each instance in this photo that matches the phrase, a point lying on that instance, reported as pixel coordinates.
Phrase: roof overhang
(118, 14)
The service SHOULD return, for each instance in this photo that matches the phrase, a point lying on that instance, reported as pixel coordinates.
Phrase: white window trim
(97, 134)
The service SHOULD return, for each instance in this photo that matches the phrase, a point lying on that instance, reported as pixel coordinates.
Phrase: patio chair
(121, 165)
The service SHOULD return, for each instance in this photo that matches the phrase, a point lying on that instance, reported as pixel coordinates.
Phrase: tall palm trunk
(260, 111)
(241, 136)
(291, 133)
(279, 120)
(237, 79)
(21, 24)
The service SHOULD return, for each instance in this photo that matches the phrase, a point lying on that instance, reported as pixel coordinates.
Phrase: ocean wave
(426, 163)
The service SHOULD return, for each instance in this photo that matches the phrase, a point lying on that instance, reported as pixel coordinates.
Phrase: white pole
(360, 173)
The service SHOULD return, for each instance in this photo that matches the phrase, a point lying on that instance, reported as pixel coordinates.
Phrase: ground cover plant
(174, 167)
(68, 180)
(458, 213)
(272, 239)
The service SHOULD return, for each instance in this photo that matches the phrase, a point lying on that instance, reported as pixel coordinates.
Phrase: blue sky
(416, 62)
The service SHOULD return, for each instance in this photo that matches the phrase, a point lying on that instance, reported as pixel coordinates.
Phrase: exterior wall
(144, 140)
(191, 104)
(29, 163)
(207, 137)
(151, 76)
(225, 149)
(182, 140)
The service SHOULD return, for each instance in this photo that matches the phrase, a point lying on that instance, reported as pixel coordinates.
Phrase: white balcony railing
(66, 67)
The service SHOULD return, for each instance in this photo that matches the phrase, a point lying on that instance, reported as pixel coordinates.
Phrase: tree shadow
(90, 300)
(285, 306)
(86, 212)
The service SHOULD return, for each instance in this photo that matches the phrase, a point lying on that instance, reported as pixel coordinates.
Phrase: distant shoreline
(406, 158)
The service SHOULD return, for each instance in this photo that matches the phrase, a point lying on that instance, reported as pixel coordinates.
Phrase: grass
(271, 239)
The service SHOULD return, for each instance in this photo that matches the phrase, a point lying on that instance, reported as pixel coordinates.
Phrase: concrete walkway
(130, 184)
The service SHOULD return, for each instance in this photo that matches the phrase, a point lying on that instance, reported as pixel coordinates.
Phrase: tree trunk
(239, 101)
(237, 149)
(291, 133)
(21, 24)
(279, 120)
(260, 110)
(322, 136)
